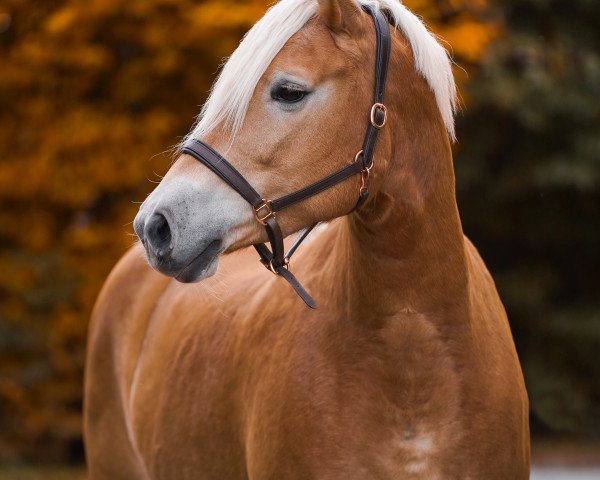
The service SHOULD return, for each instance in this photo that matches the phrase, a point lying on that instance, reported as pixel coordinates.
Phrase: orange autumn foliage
(91, 93)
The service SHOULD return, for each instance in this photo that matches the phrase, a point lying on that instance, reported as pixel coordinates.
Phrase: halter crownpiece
(275, 259)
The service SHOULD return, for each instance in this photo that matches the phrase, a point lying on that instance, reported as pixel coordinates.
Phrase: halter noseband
(275, 259)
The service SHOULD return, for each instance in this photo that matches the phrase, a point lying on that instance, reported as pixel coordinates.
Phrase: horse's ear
(341, 16)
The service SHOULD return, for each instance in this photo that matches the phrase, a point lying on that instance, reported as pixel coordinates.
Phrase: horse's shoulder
(129, 290)
(480, 277)
(494, 345)
(488, 316)
(117, 329)
(485, 303)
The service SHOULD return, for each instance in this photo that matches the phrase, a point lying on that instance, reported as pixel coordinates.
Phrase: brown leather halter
(275, 259)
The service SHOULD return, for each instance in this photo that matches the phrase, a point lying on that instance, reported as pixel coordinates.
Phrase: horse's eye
(287, 93)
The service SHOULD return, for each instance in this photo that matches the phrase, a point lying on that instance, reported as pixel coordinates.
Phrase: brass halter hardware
(358, 155)
(364, 174)
(364, 179)
(374, 109)
(262, 216)
(286, 265)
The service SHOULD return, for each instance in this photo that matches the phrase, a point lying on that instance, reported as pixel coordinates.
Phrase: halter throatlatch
(276, 259)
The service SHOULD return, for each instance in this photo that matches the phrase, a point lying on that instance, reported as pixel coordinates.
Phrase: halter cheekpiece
(275, 259)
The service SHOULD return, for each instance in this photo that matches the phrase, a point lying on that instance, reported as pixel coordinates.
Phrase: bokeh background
(92, 91)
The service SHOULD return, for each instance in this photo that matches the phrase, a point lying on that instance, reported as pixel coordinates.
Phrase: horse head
(289, 108)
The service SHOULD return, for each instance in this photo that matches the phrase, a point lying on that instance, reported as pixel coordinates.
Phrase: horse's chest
(358, 408)
(366, 408)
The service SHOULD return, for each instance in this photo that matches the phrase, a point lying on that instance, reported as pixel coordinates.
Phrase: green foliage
(528, 172)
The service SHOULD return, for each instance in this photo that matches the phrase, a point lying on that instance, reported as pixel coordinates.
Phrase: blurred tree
(90, 91)
(528, 170)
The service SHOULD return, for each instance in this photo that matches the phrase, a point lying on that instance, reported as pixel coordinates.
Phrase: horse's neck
(405, 251)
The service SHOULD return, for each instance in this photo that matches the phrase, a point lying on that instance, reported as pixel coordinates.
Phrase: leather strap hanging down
(276, 259)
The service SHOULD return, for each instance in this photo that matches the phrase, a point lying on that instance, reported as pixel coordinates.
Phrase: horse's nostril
(164, 232)
(158, 233)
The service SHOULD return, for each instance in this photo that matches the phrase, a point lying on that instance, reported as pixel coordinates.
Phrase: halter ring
(286, 265)
(374, 109)
(263, 217)
(358, 155)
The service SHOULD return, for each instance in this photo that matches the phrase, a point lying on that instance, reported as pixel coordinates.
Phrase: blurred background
(91, 91)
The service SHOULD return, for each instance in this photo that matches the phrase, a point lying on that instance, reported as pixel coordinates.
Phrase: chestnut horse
(407, 368)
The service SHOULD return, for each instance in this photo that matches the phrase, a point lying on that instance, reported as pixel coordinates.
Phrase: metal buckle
(374, 108)
(269, 213)
(286, 265)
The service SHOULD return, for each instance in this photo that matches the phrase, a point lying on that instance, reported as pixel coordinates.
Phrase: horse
(202, 364)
